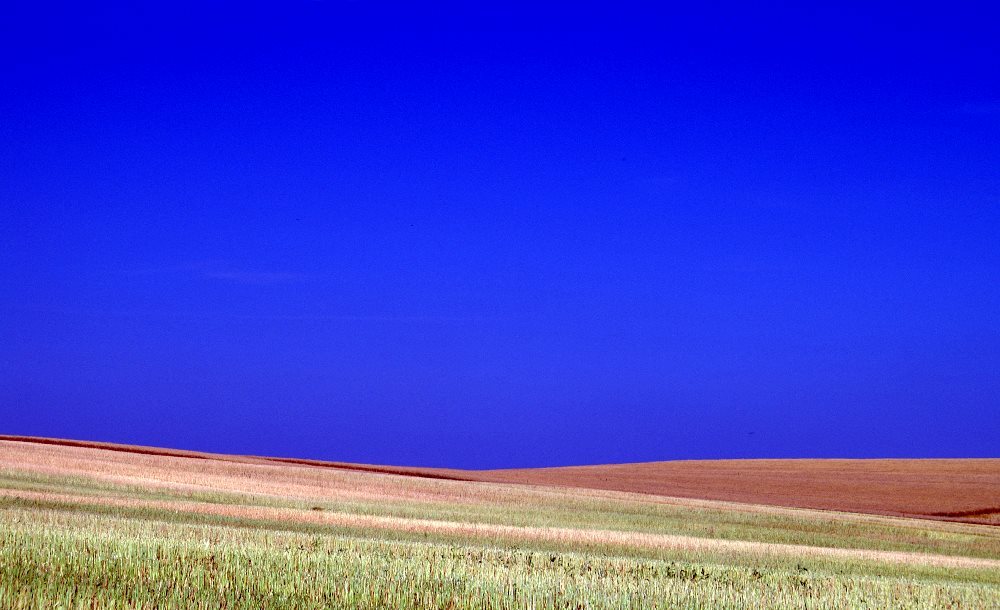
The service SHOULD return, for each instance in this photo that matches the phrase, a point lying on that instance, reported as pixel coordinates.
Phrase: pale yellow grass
(493, 531)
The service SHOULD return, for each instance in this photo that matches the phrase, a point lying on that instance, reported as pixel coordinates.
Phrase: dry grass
(586, 537)
(259, 481)
(51, 559)
(72, 509)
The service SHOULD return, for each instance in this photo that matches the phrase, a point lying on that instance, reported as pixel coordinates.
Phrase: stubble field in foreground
(84, 527)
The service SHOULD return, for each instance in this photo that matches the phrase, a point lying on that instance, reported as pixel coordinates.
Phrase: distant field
(85, 525)
(966, 490)
(961, 490)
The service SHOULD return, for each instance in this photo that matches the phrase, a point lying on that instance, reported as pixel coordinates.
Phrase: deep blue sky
(500, 237)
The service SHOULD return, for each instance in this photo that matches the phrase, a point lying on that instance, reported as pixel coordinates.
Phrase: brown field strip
(954, 489)
(963, 490)
(146, 472)
(79, 475)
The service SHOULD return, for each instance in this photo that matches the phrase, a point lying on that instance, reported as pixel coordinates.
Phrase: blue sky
(502, 236)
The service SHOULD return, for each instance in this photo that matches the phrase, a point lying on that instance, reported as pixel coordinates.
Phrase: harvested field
(87, 523)
(959, 489)
(586, 537)
(966, 490)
